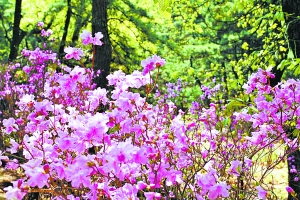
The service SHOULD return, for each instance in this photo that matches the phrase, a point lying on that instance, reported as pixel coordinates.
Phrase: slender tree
(102, 54)
(66, 28)
(18, 34)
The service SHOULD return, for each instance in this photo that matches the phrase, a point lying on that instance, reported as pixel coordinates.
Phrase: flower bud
(46, 169)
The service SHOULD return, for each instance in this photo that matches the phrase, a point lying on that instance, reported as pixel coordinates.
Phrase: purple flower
(40, 24)
(141, 185)
(290, 190)
(261, 192)
(14, 146)
(86, 37)
(72, 52)
(13, 165)
(36, 173)
(10, 125)
(248, 163)
(26, 69)
(152, 195)
(127, 192)
(218, 190)
(151, 63)
(46, 33)
(97, 39)
(14, 193)
(235, 168)
(71, 197)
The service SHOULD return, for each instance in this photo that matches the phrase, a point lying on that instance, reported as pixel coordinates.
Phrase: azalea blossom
(151, 63)
(218, 190)
(40, 24)
(261, 192)
(72, 52)
(87, 38)
(46, 33)
(97, 39)
(235, 168)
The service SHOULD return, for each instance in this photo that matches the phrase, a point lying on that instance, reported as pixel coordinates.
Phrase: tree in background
(130, 27)
(66, 29)
(18, 34)
(227, 40)
(102, 54)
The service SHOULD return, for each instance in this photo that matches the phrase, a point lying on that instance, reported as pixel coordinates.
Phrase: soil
(6, 176)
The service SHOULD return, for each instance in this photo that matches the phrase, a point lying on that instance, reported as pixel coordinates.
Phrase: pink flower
(219, 189)
(10, 125)
(26, 69)
(14, 146)
(291, 191)
(12, 164)
(46, 33)
(40, 24)
(72, 52)
(17, 191)
(261, 192)
(248, 163)
(14, 193)
(141, 185)
(86, 37)
(206, 181)
(36, 173)
(235, 168)
(152, 195)
(97, 38)
(151, 63)
(71, 197)
(127, 192)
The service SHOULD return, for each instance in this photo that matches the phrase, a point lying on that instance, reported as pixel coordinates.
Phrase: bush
(134, 149)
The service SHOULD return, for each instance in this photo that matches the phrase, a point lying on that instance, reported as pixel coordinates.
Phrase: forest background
(204, 42)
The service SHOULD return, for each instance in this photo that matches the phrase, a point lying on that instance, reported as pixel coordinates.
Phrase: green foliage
(225, 40)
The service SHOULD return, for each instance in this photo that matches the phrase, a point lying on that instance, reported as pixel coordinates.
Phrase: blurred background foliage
(204, 41)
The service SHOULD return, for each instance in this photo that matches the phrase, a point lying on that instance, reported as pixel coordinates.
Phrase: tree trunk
(18, 34)
(102, 56)
(66, 28)
(292, 8)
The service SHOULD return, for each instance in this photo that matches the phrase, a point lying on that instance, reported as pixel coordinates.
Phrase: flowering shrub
(136, 150)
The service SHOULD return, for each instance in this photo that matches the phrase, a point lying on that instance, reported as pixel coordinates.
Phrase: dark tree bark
(102, 57)
(66, 28)
(18, 34)
(292, 8)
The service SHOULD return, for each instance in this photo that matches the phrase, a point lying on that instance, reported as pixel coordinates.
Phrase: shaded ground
(279, 179)
(6, 176)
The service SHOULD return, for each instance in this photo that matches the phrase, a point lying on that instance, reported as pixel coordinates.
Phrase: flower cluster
(134, 148)
(87, 38)
(152, 63)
